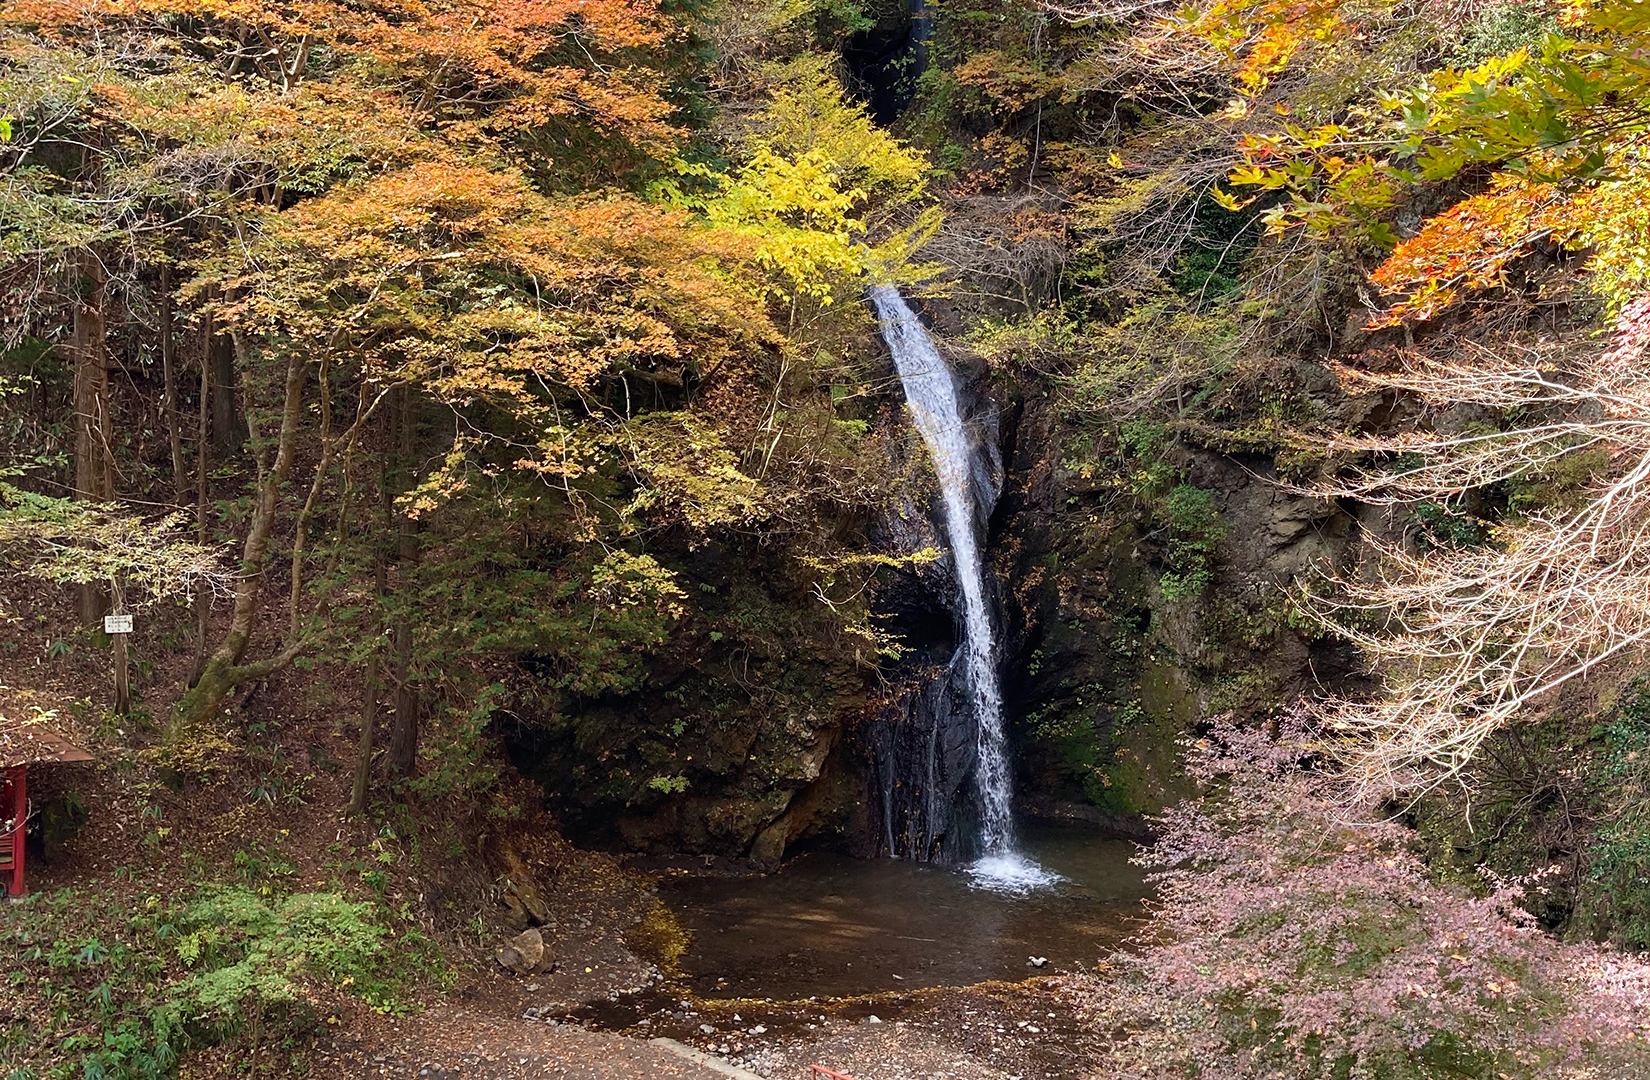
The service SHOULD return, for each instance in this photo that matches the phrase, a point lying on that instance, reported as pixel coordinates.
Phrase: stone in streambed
(523, 954)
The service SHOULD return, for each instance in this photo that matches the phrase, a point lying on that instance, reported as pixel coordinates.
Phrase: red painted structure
(20, 747)
(821, 1070)
(14, 812)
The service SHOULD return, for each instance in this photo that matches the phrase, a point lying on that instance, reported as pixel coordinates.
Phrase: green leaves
(1623, 17)
(1195, 531)
(125, 983)
(685, 475)
(71, 542)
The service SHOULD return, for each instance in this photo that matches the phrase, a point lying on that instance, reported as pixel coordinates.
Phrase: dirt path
(453, 1045)
(997, 1031)
(450, 1043)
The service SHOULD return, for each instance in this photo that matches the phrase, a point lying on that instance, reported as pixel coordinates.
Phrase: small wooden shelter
(22, 745)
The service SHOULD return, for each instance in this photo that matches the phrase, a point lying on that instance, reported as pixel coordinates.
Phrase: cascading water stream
(932, 392)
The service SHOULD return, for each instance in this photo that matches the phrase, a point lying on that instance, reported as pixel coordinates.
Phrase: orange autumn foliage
(353, 209)
(1267, 34)
(1469, 246)
(496, 66)
(467, 281)
(373, 183)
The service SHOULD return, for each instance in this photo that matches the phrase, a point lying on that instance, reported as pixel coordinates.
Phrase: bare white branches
(1468, 637)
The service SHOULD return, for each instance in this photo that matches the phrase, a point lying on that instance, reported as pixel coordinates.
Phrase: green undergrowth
(1195, 530)
(118, 985)
(1614, 896)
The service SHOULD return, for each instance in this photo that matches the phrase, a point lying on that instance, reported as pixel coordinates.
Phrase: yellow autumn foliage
(825, 195)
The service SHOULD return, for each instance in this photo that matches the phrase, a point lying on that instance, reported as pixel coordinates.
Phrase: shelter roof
(28, 744)
(40, 736)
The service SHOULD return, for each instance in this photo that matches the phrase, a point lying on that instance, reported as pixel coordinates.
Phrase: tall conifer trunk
(203, 449)
(370, 690)
(169, 376)
(229, 427)
(93, 464)
(403, 747)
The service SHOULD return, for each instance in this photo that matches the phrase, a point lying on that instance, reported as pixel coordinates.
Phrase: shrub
(248, 954)
(1442, 526)
(1297, 939)
(1498, 29)
(107, 987)
(1195, 530)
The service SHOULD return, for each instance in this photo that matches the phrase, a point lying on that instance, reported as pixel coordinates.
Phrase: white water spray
(932, 392)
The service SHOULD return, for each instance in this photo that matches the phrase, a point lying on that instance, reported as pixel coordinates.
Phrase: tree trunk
(93, 465)
(369, 722)
(229, 427)
(168, 369)
(223, 670)
(369, 704)
(203, 601)
(403, 748)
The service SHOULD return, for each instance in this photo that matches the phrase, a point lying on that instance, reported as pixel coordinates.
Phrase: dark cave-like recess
(885, 60)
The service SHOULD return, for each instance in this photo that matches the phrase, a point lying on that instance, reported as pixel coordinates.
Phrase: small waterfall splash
(932, 392)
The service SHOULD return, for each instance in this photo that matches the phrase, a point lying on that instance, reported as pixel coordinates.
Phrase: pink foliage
(1298, 937)
(1632, 336)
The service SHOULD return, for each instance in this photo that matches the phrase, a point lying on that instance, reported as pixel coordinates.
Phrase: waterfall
(933, 394)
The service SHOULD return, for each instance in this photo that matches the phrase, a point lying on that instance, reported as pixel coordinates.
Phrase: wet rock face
(1104, 672)
(735, 735)
(1077, 609)
(917, 605)
(761, 727)
(922, 749)
(757, 730)
(886, 58)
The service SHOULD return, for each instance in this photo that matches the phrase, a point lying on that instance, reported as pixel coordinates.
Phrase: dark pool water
(832, 925)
